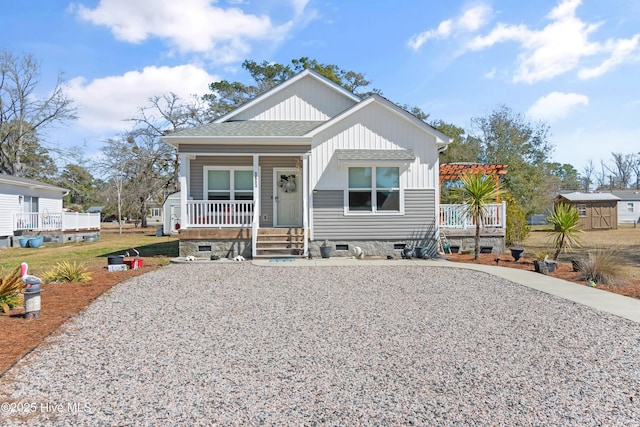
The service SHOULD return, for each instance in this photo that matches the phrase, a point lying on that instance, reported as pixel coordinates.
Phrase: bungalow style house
(308, 163)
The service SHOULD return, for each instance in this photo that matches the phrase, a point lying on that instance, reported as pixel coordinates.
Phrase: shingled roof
(251, 128)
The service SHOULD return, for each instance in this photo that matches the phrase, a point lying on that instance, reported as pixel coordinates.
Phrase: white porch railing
(452, 216)
(59, 221)
(207, 213)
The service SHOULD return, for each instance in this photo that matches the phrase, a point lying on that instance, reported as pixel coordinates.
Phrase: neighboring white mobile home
(28, 206)
(628, 206)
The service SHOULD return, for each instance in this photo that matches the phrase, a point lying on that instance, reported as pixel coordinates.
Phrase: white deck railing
(59, 221)
(206, 213)
(452, 216)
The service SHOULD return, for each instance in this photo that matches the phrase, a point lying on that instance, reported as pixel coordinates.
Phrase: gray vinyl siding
(329, 221)
(249, 149)
(197, 170)
(267, 165)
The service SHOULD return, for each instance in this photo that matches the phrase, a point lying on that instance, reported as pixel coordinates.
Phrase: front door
(287, 197)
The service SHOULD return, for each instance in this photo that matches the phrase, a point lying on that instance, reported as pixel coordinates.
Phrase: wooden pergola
(453, 171)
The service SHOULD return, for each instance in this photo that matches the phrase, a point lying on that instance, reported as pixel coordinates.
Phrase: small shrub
(604, 266)
(517, 227)
(542, 254)
(67, 272)
(10, 287)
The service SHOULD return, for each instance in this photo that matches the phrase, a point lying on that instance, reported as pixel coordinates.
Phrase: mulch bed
(59, 302)
(564, 270)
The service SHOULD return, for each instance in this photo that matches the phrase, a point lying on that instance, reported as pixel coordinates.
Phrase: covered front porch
(250, 205)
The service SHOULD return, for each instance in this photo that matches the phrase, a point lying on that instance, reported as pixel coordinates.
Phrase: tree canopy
(24, 116)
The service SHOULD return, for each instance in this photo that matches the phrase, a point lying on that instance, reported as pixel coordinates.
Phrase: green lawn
(94, 254)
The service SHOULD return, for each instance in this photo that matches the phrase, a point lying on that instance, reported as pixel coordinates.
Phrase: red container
(131, 262)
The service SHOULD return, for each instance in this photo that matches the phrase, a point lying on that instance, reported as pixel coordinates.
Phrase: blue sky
(571, 63)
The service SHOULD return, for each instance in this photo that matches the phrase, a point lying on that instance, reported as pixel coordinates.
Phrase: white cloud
(620, 50)
(474, 18)
(471, 20)
(190, 26)
(556, 105)
(559, 47)
(104, 104)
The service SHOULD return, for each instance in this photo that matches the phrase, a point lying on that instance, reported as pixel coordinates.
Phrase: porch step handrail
(227, 213)
(452, 216)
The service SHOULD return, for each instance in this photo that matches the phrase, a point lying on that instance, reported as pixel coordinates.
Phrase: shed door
(288, 198)
(601, 217)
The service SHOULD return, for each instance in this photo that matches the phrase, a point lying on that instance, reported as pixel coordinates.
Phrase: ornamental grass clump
(67, 272)
(10, 287)
(603, 266)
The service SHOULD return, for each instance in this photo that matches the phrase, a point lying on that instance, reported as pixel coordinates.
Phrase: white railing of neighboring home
(208, 213)
(59, 221)
(453, 216)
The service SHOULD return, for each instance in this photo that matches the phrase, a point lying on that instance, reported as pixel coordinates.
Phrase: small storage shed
(598, 211)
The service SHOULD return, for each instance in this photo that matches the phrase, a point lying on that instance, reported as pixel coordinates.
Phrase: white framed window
(30, 204)
(373, 190)
(582, 209)
(629, 206)
(224, 183)
(155, 212)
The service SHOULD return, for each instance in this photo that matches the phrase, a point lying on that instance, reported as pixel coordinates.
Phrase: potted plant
(325, 249)
(407, 252)
(36, 241)
(516, 252)
(542, 263)
(23, 241)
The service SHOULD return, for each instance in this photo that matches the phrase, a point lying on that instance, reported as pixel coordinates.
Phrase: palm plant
(566, 227)
(476, 191)
(10, 287)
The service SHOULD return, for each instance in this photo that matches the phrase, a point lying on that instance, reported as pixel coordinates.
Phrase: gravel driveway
(239, 344)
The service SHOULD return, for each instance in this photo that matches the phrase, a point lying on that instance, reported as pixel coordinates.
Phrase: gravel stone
(239, 344)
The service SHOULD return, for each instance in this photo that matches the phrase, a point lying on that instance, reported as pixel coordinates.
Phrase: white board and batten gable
(13, 191)
(375, 125)
(305, 97)
(351, 123)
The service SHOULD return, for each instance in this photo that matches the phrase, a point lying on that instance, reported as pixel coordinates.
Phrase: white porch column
(184, 223)
(183, 174)
(256, 204)
(305, 203)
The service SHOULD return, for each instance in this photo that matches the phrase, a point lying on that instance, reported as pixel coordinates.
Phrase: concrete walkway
(626, 307)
